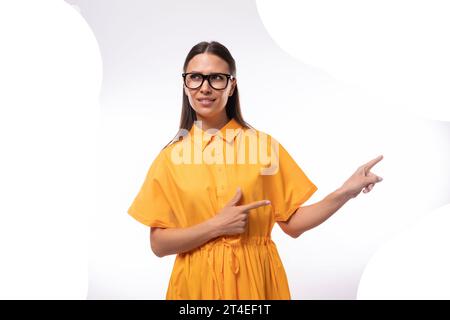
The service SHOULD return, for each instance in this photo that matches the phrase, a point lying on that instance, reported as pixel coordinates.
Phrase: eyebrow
(194, 71)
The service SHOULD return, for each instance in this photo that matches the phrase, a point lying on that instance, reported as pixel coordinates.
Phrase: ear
(233, 86)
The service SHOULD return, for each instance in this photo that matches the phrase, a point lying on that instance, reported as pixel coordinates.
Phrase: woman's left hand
(362, 179)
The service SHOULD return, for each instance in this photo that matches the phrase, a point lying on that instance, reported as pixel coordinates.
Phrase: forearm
(308, 217)
(177, 240)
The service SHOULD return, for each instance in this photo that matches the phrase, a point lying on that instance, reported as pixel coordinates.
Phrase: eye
(195, 76)
(218, 77)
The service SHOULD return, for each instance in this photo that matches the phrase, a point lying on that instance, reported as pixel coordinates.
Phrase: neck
(216, 123)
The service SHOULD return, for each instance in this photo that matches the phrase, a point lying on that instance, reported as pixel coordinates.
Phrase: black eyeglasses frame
(207, 76)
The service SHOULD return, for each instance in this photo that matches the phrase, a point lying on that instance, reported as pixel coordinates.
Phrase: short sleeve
(151, 205)
(288, 187)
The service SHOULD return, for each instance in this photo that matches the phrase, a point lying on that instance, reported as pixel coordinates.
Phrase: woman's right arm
(232, 219)
(176, 240)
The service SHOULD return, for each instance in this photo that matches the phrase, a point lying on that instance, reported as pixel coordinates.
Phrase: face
(206, 63)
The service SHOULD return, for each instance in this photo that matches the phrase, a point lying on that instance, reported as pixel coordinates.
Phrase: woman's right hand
(232, 219)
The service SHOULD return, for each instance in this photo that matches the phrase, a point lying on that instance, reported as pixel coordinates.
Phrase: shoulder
(261, 134)
(167, 149)
(172, 149)
(264, 138)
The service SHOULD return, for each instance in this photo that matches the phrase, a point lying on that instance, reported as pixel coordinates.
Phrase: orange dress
(192, 179)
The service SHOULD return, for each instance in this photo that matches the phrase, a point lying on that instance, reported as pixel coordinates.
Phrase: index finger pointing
(371, 163)
(254, 205)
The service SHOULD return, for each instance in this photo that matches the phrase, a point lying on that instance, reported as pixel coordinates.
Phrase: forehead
(206, 63)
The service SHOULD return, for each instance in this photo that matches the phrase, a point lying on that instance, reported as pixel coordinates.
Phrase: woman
(213, 195)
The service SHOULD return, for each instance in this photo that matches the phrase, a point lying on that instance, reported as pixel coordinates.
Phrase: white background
(324, 92)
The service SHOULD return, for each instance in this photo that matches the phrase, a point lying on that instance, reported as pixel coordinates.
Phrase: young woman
(214, 193)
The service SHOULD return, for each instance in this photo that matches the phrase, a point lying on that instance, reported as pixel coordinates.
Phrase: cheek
(224, 97)
(221, 102)
(191, 101)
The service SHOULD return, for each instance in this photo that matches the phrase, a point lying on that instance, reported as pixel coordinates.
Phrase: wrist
(212, 228)
(343, 194)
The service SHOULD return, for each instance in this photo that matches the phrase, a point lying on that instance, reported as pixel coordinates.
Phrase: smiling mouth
(206, 102)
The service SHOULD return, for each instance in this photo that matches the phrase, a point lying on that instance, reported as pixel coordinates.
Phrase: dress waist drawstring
(229, 243)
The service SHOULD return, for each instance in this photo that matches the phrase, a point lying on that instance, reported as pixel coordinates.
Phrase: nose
(205, 87)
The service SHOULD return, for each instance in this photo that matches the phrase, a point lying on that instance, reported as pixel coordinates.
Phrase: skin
(232, 219)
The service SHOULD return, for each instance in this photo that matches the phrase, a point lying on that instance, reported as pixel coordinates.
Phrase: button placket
(221, 177)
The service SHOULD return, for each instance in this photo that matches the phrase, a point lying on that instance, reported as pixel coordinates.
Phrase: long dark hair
(233, 107)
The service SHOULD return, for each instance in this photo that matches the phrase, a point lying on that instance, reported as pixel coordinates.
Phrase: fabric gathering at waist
(237, 242)
(222, 253)
(233, 244)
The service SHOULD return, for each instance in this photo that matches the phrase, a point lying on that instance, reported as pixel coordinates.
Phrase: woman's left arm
(308, 217)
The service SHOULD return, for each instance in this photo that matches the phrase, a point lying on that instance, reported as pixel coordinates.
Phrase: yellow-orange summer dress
(192, 179)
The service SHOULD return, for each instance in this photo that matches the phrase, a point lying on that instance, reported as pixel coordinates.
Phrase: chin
(205, 112)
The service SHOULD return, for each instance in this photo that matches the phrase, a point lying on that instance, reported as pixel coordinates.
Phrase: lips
(206, 101)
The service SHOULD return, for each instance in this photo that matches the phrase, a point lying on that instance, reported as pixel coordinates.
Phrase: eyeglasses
(218, 81)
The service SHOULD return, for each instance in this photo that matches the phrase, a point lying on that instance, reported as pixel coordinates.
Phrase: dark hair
(233, 107)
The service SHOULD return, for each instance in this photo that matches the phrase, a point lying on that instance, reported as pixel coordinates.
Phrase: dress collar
(200, 136)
